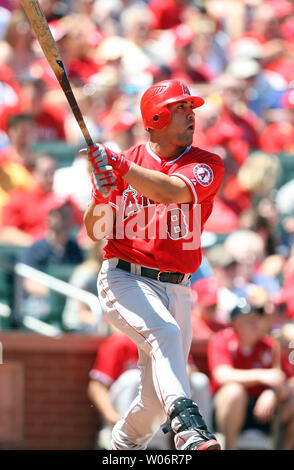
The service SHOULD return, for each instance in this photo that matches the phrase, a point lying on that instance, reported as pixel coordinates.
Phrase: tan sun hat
(260, 173)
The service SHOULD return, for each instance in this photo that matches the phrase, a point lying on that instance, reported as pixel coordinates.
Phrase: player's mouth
(191, 127)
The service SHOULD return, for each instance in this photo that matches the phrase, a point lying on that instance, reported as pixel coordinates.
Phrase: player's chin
(187, 137)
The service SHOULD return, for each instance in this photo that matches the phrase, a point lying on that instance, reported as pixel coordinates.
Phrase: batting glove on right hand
(104, 159)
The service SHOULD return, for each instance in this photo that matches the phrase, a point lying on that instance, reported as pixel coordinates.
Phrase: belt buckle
(158, 275)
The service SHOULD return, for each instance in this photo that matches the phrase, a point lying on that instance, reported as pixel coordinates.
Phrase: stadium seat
(63, 152)
(56, 300)
(8, 255)
(287, 164)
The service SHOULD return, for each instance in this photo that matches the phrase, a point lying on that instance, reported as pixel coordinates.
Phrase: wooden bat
(42, 31)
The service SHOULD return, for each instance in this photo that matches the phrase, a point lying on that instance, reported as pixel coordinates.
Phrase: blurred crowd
(239, 56)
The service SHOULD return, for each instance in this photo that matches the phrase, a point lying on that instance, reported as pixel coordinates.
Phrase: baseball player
(160, 194)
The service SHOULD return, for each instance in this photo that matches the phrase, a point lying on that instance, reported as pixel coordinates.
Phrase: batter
(160, 193)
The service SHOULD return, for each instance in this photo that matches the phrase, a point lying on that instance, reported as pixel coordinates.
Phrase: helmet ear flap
(160, 119)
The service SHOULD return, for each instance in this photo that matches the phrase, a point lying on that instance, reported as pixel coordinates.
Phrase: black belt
(163, 276)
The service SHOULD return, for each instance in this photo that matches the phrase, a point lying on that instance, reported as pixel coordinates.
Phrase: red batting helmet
(155, 101)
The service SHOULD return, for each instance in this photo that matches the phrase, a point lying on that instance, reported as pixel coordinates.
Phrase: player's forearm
(98, 220)
(99, 396)
(157, 186)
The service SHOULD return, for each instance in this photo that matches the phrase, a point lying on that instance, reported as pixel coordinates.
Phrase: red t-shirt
(115, 355)
(236, 133)
(167, 13)
(165, 236)
(277, 137)
(224, 349)
(48, 123)
(202, 329)
(28, 210)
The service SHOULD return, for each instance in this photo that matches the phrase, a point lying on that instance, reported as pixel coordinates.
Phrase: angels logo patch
(203, 174)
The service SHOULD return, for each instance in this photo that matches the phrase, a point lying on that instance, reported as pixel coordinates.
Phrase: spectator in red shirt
(167, 13)
(76, 38)
(186, 47)
(236, 129)
(16, 160)
(204, 312)
(25, 215)
(32, 99)
(279, 136)
(267, 28)
(246, 378)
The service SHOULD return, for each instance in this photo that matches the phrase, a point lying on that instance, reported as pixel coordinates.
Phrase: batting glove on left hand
(102, 186)
(102, 177)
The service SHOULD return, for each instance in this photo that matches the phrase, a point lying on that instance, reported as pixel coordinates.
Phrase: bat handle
(88, 138)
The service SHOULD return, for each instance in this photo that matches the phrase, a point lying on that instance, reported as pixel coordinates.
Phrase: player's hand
(102, 177)
(103, 160)
(102, 186)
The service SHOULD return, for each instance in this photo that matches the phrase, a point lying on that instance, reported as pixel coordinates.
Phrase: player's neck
(166, 150)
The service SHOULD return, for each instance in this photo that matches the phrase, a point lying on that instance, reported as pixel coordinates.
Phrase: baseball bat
(42, 31)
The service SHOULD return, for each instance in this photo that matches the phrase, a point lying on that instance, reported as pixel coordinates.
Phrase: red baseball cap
(55, 202)
(183, 35)
(122, 123)
(222, 219)
(206, 291)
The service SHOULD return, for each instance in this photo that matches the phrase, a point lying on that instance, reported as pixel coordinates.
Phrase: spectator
(262, 92)
(5, 15)
(91, 102)
(77, 316)
(9, 87)
(285, 296)
(57, 247)
(248, 248)
(19, 38)
(278, 136)
(136, 51)
(236, 129)
(247, 381)
(181, 65)
(204, 317)
(25, 215)
(167, 13)
(224, 267)
(32, 100)
(205, 270)
(121, 132)
(78, 182)
(257, 177)
(17, 159)
(22, 136)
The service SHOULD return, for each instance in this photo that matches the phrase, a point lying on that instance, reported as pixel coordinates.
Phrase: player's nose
(190, 114)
